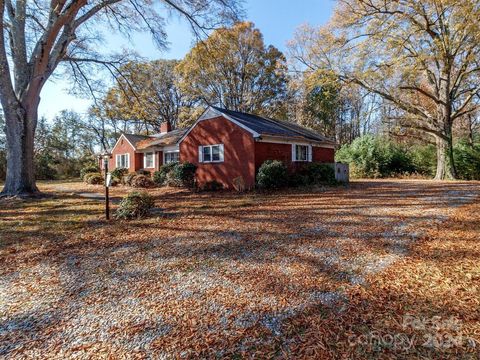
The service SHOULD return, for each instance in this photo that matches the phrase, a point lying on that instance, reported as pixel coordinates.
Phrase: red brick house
(139, 152)
(225, 145)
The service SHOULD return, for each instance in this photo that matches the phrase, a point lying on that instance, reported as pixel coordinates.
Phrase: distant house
(225, 145)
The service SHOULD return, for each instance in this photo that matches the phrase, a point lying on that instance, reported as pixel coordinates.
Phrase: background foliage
(377, 157)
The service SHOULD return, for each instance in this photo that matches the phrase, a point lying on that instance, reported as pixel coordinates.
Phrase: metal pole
(107, 200)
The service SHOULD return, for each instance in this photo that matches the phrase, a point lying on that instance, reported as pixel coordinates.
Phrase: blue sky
(277, 19)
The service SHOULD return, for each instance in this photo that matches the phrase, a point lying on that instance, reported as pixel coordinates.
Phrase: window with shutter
(211, 153)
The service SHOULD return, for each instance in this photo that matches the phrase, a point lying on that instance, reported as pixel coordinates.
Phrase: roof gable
(135, 139)
(132, 139)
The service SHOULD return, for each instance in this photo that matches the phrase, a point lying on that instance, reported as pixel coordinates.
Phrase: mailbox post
(106, 157)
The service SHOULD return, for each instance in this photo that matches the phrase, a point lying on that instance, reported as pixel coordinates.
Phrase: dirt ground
(379, 269)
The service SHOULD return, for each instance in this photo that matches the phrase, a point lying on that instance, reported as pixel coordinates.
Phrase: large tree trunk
(20, 132)
(445, 162)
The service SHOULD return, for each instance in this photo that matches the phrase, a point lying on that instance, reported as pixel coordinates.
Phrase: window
(149, 160)
(301, 152)
(210, 153)
(123, 161)
(171, 157)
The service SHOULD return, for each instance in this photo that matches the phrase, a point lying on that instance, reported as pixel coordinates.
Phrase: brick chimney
(165, 127)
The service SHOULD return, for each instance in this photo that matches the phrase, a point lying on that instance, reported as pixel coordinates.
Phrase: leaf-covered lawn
(381, 269)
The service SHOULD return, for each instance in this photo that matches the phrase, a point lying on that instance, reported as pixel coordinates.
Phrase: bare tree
(421, 56)
(38, 36)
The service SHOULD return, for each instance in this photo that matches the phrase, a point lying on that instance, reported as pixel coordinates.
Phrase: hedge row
(274, 174)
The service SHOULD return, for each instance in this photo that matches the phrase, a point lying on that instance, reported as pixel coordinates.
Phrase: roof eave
(293, 139)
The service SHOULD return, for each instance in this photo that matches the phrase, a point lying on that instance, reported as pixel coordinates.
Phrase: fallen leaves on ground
(380, 269)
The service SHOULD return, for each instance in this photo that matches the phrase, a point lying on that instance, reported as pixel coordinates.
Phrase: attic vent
(121, 142)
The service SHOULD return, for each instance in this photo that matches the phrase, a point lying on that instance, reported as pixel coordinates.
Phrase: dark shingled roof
(135, 139)
(265, 126)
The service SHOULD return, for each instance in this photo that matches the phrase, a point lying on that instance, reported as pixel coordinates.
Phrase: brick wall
(124, 147)
(324, 155)
(272, 151)
(239, 150)
(283, 152)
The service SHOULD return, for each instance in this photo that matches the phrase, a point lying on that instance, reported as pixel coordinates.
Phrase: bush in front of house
(160, 176)
(93, 178)
(135, 205)
(176, 174)
(142, 181)
(299, 179)
(127, 179)
(143, 172)
(319, 173)
(272, 174)
(86, 177)
(184, 174)
(119, 173)
(91, 169)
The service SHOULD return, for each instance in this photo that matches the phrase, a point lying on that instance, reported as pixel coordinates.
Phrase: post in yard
(106, 157)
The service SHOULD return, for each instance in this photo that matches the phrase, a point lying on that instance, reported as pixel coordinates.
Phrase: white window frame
(294, 153)
(145, 160)
(118, 161)
(202, 148)
(170, 152)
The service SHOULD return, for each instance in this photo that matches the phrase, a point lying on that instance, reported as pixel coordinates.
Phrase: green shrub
(184, 174)
(89, 169)
(272, 174)
(143, 172)
(424, 159)
(176, 174)
(319, 173)
(374, 157)
(127, 179)
(467, 160)
(298, 179)
(44, 166)
(142, 181)
(119, 173)
(172, 180)
(93, 178)
(88, 175)
(160, 176)
(135, 205)
(114, 181)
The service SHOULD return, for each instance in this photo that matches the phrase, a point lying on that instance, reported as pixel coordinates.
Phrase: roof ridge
(291, 125)
(286, 125)
(140, 135)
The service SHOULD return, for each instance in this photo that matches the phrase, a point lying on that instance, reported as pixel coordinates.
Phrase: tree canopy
(147, 92)
(421, 56)
(233, 68)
